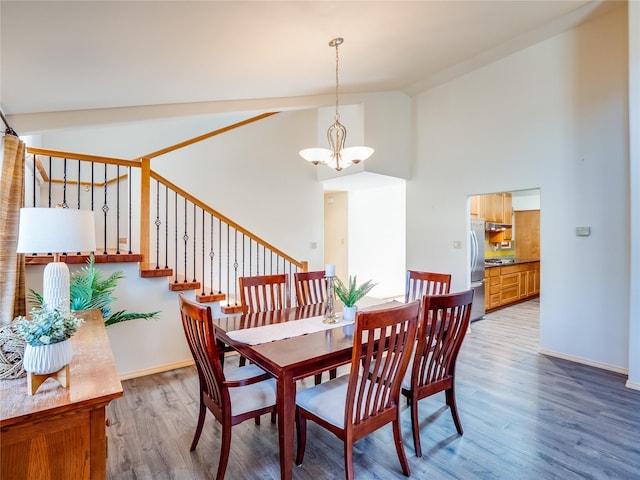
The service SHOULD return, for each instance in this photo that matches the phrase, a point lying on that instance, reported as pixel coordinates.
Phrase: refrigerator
(477, 267)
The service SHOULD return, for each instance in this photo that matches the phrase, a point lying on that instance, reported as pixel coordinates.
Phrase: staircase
(177, 235)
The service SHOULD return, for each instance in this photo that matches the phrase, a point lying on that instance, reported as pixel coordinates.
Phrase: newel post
(145, 209)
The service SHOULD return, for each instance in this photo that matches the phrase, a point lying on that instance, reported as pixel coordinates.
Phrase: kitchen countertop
(516, 262)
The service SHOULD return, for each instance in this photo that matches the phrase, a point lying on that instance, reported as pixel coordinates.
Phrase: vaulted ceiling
(64, 62)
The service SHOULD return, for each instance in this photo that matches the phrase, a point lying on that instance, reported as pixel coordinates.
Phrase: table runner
(279, 331)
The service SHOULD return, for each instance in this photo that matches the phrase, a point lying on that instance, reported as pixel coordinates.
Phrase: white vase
(349, 313)
(45, 359)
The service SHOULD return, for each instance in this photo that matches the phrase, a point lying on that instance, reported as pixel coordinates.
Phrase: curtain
(12, 280)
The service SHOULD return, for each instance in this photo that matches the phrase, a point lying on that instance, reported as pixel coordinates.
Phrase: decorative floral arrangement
(47, 326)
(350, 294)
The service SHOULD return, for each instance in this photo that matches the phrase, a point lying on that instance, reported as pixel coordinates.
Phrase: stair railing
(174, 233)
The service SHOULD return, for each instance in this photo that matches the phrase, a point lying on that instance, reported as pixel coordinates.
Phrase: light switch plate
(583, 231)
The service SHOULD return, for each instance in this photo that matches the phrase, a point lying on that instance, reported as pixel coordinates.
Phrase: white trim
(632, 385)
(159, 369)
(584, 361)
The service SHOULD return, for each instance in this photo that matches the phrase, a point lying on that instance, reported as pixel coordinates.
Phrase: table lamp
(56, 230)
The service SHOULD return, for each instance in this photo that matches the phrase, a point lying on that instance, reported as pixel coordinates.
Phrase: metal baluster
(79, 184)
(185, 238)
(228, 270)
(235, 249)
(220, 260)
(92, 184)
(105, 208)
(117, 209)
(244, 237)
(250, 255)
(130, 210)
(211, 253)
(194, 242)
(157, 223)
(35, 182)
(50, 182)
(166, 226)
(202, 252)
(64, 184)
(175, 263)
(264, 260)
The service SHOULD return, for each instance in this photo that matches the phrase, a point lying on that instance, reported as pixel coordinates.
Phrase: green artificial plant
(90, 289)
(350, 294)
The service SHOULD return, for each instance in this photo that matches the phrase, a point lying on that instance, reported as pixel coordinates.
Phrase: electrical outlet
(457, 244)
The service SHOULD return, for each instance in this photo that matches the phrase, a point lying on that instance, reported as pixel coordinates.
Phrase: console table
(61, 432)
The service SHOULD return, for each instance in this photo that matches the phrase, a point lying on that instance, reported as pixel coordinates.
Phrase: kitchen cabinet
(476, 207)
(508, 284)
(492, 285)
(527, 225)
(495, 207)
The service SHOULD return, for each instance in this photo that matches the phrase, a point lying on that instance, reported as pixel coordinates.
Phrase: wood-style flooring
(525, 416)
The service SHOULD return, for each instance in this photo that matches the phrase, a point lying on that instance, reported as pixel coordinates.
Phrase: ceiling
(77, 62)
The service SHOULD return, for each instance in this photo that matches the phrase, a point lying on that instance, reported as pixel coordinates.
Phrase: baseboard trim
(584, 361)
(632, 385)
(159, 369)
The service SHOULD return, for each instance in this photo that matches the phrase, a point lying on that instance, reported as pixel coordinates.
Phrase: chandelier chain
(337, 117)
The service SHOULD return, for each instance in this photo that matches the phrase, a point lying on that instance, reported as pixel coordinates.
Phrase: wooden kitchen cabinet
(495, 207)
(492, 288)
(476, 205)
(60, 433)
(508, 284)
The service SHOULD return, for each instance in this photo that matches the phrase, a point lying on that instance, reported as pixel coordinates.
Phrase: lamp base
(55, 286)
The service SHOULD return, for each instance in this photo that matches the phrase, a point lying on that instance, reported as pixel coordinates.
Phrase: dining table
(289, 359)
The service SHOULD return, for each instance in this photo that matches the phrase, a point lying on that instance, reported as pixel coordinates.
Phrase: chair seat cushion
(326, 400)
(250, 397)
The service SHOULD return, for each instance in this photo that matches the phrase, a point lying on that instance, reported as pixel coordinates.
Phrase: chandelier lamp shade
(337, 156)
(55, 231)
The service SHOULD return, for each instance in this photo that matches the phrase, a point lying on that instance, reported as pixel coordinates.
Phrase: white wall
(552, 116)
(377, 226)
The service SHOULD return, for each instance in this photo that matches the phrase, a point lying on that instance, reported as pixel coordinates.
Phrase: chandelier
(336, 156)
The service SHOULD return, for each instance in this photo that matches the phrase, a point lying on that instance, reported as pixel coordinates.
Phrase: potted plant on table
(350, 294)
(47, 335)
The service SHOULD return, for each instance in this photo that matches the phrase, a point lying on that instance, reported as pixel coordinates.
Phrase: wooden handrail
(225, 219)
(191, 141)
(84, 157)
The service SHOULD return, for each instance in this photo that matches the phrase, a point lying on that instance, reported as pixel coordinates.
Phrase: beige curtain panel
(12, 282)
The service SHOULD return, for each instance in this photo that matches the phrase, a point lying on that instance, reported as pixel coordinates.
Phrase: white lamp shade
(317, 155)
(56, 230)
(356, 154)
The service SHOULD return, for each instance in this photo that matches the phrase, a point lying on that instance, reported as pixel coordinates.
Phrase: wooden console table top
(93, 376)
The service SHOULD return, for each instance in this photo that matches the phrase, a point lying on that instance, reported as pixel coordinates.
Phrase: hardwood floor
(525, 416)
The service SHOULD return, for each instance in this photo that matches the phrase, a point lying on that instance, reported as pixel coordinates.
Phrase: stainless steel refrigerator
(477, 268)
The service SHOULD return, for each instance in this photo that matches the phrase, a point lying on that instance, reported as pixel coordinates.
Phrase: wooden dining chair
(425, 283)
(311, 287)
(444, 320)
(245, 393)
(264, 293)
(354, 405)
